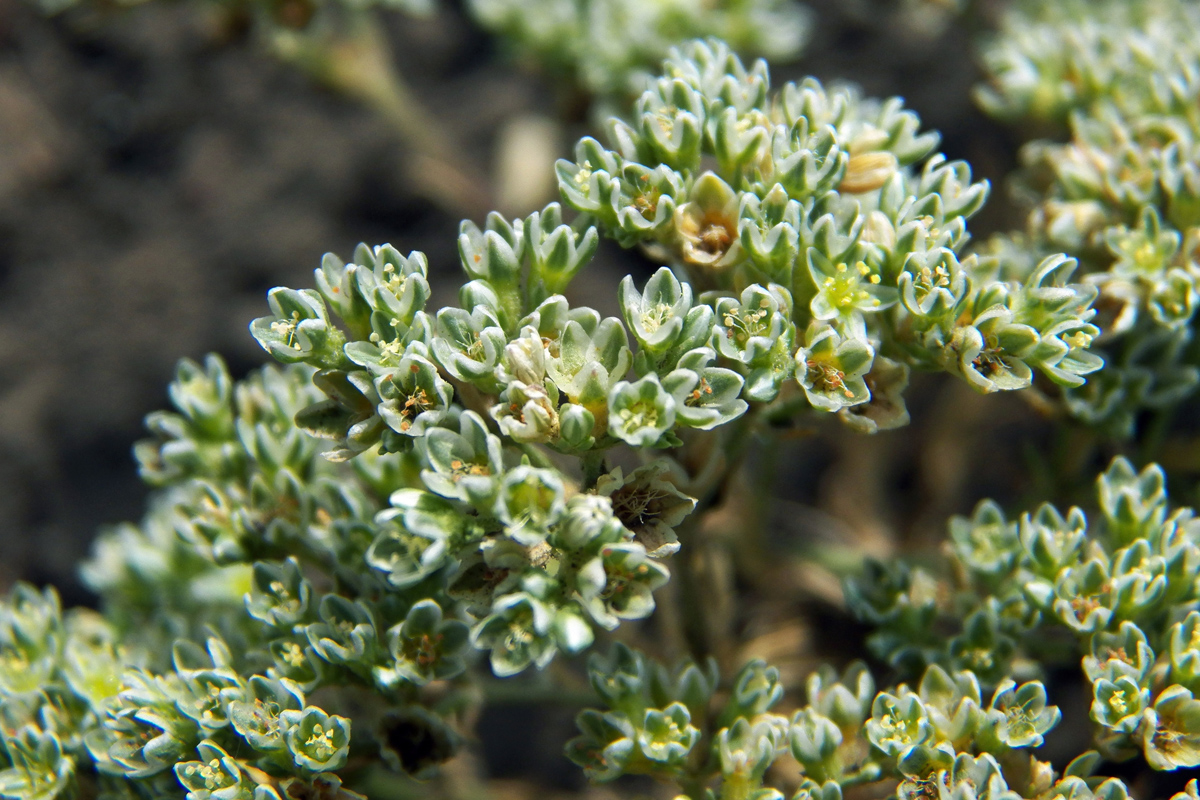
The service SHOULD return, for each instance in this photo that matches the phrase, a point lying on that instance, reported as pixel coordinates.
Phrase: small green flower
(830, 369)
(426, 647)
(656, 314)
(748, 327)
(525, 358)
(405, 551)
(517, 633)
(769, 232)
(39, 770)
(556, 251)
(530, 501)
(640, 413)
(588, 355)
(30, 636)
(669, 118)
(1184, 648)
(280, 594)
(1121, 653)
(216, 776)
(256, 714)
(845, 292)
(527, 413)
(756, 689)
(646, 202)
(983, 647)
(1083, 596)
(814, 740)
(413, 396)
(621, 679)
(746, 750)
(974, 778)
(588, 524)
(295, 661)
(1146, 251)
(589, 185)
(1171, 730)
(299, 330)
(92, 661)
(1119, 704)
(953, 703)
(932, 284)
(462, 465)
(468, 344)
(1019, 715)
(619, 584)
(1173, 300)
(898, 723)
(986, 543)
(493, 254)
(605, 747)
(1051, 541)
(1139, 580)
(667, 735)
(346, 633)
(811, 790)
(393, 287)
(845, 700)
(317, 741)
(991, 348)
(1133, 503)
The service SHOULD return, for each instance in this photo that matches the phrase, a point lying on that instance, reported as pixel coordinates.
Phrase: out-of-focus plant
(1121, 194)
(604, 47)
(1117, 594)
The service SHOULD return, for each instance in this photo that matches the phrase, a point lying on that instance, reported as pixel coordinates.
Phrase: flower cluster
(1047, 588)
(603, 46)
(56, 677)
(505, 477)
(825, 237)
(462, 403)
(74, 701)
(1122, 194)
(944, 738)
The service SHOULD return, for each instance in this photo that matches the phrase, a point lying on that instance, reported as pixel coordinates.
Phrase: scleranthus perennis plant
(1115, 594)
(1120, 194)
(344, 549)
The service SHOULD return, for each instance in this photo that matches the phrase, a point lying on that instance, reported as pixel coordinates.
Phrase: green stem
(537, 457)
(726, 448)
(358, 63)
(593, 468)
(1156, 435)
(695, 785)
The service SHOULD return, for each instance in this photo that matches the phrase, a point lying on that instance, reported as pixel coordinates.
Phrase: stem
(694, 786)
(537, 457)
(593, 468)
(358, 63)
(1156, 434)
(712, 458)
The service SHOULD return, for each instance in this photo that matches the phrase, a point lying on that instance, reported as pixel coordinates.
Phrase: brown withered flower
(708, 224)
